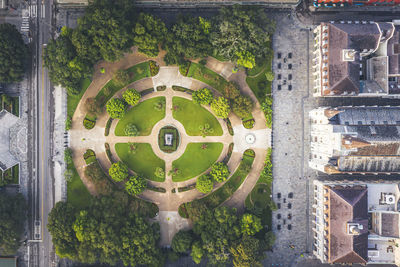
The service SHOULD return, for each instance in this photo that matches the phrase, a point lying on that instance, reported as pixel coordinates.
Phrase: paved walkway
(168, 203)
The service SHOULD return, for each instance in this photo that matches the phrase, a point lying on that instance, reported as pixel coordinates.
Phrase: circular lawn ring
(168, 139)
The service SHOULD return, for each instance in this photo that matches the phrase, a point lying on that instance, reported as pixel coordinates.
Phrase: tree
(205, 184)
(131, 130)
(245, 59)
(68, 156)
(247, 253)
(231, 90)
(189, 39)
(242, 106)
(118, 171)
(197, 252)
(149, 32)
(131, 96)
(270, 76)
(13, 54)
(61, 219)
(202, 96)
(182, 241)
(159, 172)
(116, 108)
(12, 219)
(219, 172)
(269, 239)
(92, 106)
(266, 107)
(136, 185)
(121, 77)
(242, 33)
(220, 106)
(250, 224)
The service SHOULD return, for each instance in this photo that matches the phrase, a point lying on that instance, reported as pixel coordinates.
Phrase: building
(356, 223)
(343, 3)
(355, 140)
(356, 59)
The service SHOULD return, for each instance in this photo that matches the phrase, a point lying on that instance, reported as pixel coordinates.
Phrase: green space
(144, 116)
(204, 74)
(217, 197)
(257, 79)
(193, 116)
(140, 158)
(73, 100)
(175, 139)
(196, 159)
(77, 193)
(10, 176)
(136, 72)
(9, 103)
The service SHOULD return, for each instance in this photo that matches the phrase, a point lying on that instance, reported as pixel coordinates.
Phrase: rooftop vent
(354, 228)
(348, 54)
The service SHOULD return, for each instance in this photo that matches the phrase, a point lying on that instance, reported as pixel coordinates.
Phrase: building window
(290, 55)
(372, 122)
(279, 55)
(347, 123)
(359, 122)
(279, 65)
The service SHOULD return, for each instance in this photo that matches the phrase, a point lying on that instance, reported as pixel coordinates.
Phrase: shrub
(68, 156)
(68, 123)
(121, 77)
(248, 124)
(219, 172)
(242, 106)
(88, 124)
(135, 186)
(250, 224)
(131, 130)
(182, 89)
(118, 171)
(116, 108)
(229, 126)
(146, 92)
(108, 126)
(182, 241)
(184, 67)
(159, 172)
(131, 96)
(203, 96)
(231, 90)
(159, 106)
(108, 152)
(205, 184)
(154, 68)
(266, 107)
(203, 62)
(220, 107)
(161, 88)
(270, 76)
(206, 129)
(102, 70)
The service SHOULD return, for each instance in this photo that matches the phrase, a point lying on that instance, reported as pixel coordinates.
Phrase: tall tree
(13, 54)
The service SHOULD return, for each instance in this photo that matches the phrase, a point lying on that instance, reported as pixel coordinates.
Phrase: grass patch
(195, 160)
(192, 116)
(73, 101)
(144, 115)
(141, 160)
(77, 193)
(259, 84)
(204, 74)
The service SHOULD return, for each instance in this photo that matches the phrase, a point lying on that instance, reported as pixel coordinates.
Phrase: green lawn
(204, 74)
(143, 161)
(73, 101)
(77, 193)
(137, 72)
(259, 84)
(196, 160)
(192, 116)
(143, 115)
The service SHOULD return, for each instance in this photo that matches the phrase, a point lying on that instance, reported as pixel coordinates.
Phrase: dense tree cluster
(221, 108)
(135, 185)
(12, 218)
(203, 96)
(116, 108)
(131, 96)
(205, 184)
(118, 171)
(221, 236)
(13, 54)
(108, 232)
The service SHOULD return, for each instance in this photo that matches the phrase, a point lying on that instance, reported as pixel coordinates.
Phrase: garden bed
(89, 156)
(175, 139)
(10, 176)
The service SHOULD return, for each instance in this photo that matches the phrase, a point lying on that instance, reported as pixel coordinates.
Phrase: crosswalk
(33, 11)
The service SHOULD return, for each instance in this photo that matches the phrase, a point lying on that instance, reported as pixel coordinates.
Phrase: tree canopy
(219, 172)
(182, 241)
(12, 219)
(131, 96)
(220, 106)
(118, 171)
(205, 184)
(13, 54)
(116, 108)
(135, 185)
(106, 232)
(242, 106)
(203, 96)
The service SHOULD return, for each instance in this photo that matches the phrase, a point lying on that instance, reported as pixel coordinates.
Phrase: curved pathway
(170, 221)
